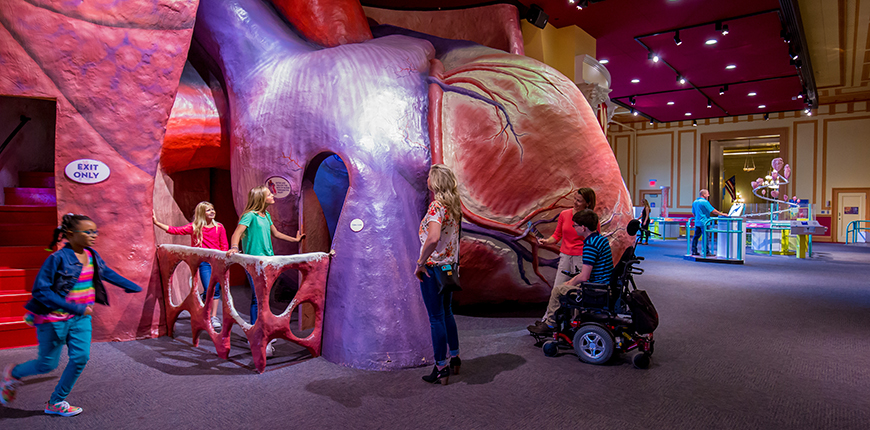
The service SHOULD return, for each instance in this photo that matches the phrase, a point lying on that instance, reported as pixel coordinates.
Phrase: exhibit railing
(853, 228)
(708, 229)
(263, 271)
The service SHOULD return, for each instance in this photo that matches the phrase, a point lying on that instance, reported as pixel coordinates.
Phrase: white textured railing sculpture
(264, 271)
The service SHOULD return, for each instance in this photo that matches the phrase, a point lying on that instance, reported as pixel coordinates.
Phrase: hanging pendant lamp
(749, 164)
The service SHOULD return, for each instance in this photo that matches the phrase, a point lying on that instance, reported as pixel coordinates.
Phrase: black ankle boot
(438, 375)
(455, 363)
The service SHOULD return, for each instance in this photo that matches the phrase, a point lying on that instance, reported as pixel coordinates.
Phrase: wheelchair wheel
(641, 360)
(551, 348)
(593, 344)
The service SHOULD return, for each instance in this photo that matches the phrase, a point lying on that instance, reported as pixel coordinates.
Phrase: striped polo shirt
(81, 293)
(596, 253)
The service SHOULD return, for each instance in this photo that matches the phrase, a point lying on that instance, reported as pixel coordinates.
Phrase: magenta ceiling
(624, 29)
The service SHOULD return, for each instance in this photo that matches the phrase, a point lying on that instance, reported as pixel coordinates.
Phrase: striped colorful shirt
(81, 293)
(596, 253)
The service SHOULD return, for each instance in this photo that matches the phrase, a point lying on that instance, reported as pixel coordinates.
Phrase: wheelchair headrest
(633, 227)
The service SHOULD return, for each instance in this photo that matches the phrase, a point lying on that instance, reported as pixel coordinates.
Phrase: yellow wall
(826, 150)
(557, 47)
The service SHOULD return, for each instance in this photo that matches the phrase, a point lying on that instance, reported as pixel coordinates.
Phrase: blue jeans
(205, 276)
(254, 308)
(699, 231)
(441, 322)
(76, 334)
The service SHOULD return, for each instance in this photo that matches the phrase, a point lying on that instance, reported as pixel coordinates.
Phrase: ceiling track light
(677, 39)
(653, 57)
(694, 123)
(583, 4)
(722, 89)
(681, 80)
(632, 100)
(709, 103)
(634, 112)
(766, 116)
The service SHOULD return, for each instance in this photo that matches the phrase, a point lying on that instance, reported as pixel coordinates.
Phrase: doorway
(654, 197)
(742, 160)
(324, 188)
(850, 204)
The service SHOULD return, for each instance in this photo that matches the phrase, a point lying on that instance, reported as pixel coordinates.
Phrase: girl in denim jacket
(66, 288)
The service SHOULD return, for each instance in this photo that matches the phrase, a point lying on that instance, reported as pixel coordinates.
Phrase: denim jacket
(59, 274)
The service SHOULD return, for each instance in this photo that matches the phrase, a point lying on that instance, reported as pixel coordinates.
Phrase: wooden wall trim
(825, 155)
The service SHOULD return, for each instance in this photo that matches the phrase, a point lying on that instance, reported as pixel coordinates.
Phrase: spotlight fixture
(793, 55)
(604, 61)
(762, 106)
(653, 57)
(634, 112)
(801, 95)
(766, 116)
(709, 103)
(688, 113)
(731, 66)
(722, 28)
(670, 103)
(582, 4)
(651, 121)
(752, 94)
(632, 100)
(786, 36)
(711, 41)
(723, 89)
(634, 81)
(677, 39)
(808, 111)
(681, 80)
(694, 123)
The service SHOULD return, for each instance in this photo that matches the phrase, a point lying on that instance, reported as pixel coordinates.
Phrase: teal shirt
(702, 209)
(257, 239)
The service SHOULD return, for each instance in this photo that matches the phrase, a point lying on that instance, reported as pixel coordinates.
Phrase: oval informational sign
(86, 171)
(279, 186)
(356, 225)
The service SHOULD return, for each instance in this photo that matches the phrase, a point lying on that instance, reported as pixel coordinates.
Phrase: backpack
(643, 314)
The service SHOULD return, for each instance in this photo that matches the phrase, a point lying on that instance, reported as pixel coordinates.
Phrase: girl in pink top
(571, 250)
(204, 232)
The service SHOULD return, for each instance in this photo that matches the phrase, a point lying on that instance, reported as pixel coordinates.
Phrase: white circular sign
(356, 225)
(279, 187)
(86, 171)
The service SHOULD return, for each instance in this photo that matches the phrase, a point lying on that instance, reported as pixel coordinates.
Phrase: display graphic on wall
(87, 171)
(279, 186)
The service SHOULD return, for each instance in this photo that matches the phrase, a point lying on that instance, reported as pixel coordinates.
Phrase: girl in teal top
(255, 231)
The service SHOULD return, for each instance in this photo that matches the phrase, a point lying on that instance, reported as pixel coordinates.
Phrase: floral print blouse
(447, 251)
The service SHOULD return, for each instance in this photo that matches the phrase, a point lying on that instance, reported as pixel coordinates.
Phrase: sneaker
(8, 386)
(540, 327)
(216, 324)
(62, 408)
(270, 349)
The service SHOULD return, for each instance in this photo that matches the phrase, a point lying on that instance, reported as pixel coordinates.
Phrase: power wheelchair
(597, 320)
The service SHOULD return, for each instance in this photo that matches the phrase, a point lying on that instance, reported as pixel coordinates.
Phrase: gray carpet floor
(778, 343)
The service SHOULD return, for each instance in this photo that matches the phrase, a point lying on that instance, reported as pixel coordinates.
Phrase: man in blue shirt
(702, 209)
(597, 267)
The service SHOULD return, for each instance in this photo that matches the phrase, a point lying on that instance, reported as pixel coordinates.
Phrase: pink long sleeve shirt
(572, 244)
(212, 237)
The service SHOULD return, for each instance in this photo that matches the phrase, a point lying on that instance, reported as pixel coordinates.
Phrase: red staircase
(27, 221)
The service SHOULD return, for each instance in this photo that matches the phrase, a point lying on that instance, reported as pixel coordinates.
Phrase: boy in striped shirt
(597, 267)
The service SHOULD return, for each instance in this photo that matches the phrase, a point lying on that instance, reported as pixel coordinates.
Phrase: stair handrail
(24, 120)
(853, 229)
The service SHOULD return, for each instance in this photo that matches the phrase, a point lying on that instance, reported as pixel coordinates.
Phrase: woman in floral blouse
(439, 236)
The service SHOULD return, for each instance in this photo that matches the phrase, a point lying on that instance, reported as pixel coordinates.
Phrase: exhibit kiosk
(730, 234)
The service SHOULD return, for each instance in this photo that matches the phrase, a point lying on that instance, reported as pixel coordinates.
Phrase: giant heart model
(519, 136)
